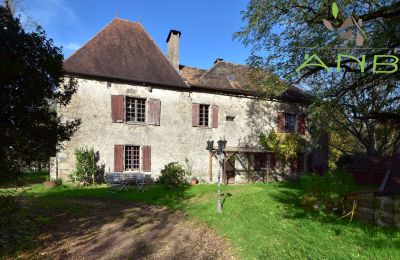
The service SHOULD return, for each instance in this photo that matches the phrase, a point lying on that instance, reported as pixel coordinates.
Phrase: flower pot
(49, 184)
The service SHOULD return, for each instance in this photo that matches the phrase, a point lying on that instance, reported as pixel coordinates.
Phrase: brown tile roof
(191, 75)
(123, 50)
(235, 78)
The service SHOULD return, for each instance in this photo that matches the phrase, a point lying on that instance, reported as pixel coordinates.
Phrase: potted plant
(194, 180)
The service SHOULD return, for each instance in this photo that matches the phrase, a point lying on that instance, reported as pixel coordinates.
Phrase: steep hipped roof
(124, 50)
(230, 77)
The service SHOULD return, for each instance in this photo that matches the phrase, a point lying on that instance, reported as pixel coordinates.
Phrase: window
(230, 118)
(290, 123)
(132, 157)
(135, 110)
(204, 115)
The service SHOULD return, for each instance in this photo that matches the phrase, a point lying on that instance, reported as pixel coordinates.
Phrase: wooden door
(229, 170)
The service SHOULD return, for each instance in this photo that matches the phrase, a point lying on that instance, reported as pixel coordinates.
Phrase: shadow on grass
(28, 178)
(154, 194)
(134, 227)
(111, 228)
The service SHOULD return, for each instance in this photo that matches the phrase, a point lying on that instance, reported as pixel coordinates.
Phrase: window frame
(132, 158)
(203, 117)
(135, 115)
(286, 126)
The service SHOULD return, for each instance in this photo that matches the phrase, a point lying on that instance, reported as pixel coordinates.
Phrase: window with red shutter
(118, 158)
(146, 158)
(154, 111)
(117, 108)
(214, 116)
(195, 114)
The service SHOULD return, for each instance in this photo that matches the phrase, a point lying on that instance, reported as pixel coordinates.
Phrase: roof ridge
(186, 66)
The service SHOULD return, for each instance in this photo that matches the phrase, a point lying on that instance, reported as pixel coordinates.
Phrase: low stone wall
(381, 210)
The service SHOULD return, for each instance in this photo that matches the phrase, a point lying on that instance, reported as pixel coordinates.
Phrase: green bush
(329, 189)
(173, 174)
(86, 166)
(58, 181)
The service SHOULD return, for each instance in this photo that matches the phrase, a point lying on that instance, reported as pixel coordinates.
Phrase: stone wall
(175, 139)
(381, 210)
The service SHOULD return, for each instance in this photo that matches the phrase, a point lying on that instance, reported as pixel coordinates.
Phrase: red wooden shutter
(195, 114)
(214, 116)
(301, 127)
(154, 111)
(146, 158)
(281, 122)
(293, 165)
(118, 158)
(117, 108)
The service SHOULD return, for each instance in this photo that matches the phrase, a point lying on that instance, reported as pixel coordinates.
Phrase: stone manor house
(141, 109)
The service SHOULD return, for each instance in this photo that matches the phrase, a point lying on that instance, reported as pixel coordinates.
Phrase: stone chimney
(173, 48)
(218, 60)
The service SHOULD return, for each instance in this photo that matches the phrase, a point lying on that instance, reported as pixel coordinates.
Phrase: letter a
(307, 63)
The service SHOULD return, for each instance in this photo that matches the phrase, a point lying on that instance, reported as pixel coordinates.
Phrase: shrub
(16, 227)
(329, 189)
(57, 181)
(173, 174)
(86, 166)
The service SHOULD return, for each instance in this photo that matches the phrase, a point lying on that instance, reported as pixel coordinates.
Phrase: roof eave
(122, 80)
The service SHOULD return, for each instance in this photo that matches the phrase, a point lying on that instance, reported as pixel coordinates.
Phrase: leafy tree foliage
(285, 146)
(347, 102)
(32, 84)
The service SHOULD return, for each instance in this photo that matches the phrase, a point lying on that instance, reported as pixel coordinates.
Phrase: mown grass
(259, 220)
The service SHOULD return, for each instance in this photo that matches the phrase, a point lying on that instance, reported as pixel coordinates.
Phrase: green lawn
(259, 220)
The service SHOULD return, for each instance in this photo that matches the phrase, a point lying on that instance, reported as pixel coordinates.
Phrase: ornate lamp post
(221, 148)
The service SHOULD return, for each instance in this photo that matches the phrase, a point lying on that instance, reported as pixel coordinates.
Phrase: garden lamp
(210, 145)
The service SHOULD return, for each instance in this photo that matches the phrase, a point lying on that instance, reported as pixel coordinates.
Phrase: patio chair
(140, 182)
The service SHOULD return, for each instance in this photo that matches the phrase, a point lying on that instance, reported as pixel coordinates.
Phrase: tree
(32, 84)
(366, 105)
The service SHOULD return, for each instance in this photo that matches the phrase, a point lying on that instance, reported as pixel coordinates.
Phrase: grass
(259, 220)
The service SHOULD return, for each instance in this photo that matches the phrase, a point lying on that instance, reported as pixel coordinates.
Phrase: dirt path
(122, 230)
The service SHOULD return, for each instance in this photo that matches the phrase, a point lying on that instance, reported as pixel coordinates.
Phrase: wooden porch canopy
(233, 150)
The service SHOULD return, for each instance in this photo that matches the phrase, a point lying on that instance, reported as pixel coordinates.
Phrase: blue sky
(207, 25)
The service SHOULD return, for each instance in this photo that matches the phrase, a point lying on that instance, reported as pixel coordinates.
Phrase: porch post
(210, 157)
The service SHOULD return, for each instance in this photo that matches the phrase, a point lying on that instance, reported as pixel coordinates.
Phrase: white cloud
(46, 10)
(72, 46)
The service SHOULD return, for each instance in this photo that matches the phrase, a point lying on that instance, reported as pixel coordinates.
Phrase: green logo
(381, 63)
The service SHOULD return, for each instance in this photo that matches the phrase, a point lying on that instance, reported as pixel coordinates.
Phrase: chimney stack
(173, 48)
(218, 60)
